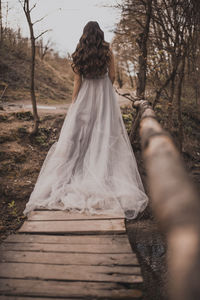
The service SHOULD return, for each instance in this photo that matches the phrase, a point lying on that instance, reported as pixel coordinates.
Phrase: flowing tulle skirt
(92, 167)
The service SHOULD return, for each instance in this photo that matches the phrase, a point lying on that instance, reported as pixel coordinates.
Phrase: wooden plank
(68, 239)
(49, 215)
(64, 289)
(70, 272)
(69, 266)
(69, 258)
(66, 248)
(75, 227)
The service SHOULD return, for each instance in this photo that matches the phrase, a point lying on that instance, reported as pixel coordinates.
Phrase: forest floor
(21, 158)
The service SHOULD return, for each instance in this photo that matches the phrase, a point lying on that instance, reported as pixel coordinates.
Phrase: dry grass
(53, 80)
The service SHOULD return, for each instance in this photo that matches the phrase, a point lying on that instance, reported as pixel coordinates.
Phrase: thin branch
(33, 7)
(42, 34)
(39, 20)
(140, 23)
(5, 87)
(127, 96)
(21, 2)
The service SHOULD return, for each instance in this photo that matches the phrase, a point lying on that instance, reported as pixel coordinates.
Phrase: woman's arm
(77, 85)
(111, 68)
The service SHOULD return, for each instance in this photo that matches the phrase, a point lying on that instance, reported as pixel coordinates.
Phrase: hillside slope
(53, 79)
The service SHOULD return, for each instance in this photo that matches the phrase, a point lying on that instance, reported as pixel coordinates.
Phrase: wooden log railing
(175, 203)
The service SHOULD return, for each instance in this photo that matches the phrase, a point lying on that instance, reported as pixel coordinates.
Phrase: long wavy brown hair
(92, 54)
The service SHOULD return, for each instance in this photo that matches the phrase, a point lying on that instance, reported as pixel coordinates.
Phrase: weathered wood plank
(69, 258)
(64, 289)
(66, 248)
(70, 272)
(75, 227)
(54, 265)
(68, 239)
(48, 215)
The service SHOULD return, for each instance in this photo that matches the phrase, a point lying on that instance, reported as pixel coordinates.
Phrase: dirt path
(43, 109)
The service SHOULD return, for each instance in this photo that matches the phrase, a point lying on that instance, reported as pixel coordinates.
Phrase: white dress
(91, 168)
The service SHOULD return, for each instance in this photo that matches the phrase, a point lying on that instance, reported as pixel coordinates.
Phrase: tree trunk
(129, 74)
(180, 122)
(142, 60)
(119, 78)
(32, 87)
(1, 25)
(33, 98)
(142, 43)
(196, 89)
(165, 84)
(170, 104)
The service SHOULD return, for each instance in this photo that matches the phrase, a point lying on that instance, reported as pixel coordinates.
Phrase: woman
(92, 167)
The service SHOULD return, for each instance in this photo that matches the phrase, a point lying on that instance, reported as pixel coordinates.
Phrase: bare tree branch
(39, 20)
(127, 96)
(37, 37)
(33, 7)
(140, 23)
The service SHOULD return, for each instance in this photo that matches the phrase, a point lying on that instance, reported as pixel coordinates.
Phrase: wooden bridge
(57, 255)
(61, 255)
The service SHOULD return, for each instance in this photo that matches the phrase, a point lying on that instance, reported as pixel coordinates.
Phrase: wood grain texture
(114, 239)
(48, 215)
(70, 272)
(64, 289)
(76, 227)
(66, 248)
(69, 258)
(55, 255)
